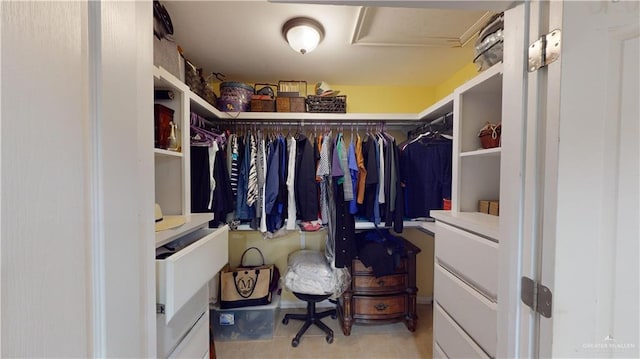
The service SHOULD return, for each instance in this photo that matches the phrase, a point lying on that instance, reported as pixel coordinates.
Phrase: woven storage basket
(261, 105)
(490, 135)
(330, 104)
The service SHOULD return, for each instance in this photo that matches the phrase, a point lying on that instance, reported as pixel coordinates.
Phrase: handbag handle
(245, 252)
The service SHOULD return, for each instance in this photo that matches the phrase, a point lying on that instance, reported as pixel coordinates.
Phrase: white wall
(77, 188)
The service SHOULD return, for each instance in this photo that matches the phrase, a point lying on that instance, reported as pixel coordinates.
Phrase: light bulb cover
(303, 34)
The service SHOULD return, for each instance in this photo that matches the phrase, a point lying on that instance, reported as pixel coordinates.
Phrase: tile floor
(387, 341)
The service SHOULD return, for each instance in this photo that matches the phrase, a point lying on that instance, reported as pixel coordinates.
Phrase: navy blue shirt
(426, 173)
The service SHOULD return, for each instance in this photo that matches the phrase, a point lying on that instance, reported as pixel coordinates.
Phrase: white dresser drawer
(169, 335)
(472, 257)
(449, 338)
(196, 344)
(181, 275)
(437, 351)
(471, 310)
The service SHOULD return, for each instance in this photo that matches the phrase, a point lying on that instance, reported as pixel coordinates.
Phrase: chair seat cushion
(314, 298)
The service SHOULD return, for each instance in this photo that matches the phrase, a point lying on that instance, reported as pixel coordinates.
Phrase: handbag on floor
(247, 285)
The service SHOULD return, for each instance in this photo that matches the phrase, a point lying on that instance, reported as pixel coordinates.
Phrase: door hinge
(545, 50)
(159, 308)
(536, 296)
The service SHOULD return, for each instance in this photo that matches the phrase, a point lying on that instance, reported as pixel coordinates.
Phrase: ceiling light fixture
(303, 34)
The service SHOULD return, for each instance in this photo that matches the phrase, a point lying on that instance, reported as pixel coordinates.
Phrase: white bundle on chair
(309, 272)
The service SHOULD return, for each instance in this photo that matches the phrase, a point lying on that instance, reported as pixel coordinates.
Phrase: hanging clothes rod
(303, 123)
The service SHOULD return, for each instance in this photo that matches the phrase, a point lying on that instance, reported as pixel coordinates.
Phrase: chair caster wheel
(295, 342)
(285, 321)
(329, 339)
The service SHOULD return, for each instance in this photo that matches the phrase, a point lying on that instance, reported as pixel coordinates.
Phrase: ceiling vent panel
(382, 26)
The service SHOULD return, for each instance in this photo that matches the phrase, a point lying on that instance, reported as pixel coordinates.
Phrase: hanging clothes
(203, 200)
(344, 235)
(369, 207)
(354, 172)
(305, 185)
(243, 210)
(291, 199)
(322, 173)
(426, 174)
(362, 171)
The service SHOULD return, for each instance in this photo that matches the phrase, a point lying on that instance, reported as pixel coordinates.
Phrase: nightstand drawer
(379, 307)
(359, 268)
(386, 284)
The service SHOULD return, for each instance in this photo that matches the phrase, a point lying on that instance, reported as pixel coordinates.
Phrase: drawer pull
(381, 282)
(381, 306)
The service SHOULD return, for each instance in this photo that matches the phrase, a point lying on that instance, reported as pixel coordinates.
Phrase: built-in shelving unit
(172, 169)
(476, 171)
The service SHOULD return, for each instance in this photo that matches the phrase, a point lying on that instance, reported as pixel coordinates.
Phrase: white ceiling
(362, 45)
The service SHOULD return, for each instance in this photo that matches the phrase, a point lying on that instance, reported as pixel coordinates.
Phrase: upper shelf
(486, 82)
(163, 78)
(485, 152)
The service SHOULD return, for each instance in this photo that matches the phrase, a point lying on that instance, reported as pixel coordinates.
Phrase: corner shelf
(488, 152)
(167, 153)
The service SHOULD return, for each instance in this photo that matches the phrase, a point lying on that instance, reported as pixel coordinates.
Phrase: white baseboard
(424, 300)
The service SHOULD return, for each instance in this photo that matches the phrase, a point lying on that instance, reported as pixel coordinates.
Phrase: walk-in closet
(446, 179)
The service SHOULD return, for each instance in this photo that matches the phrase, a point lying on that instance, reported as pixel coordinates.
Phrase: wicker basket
(490, 135)
(327, 104)
(263, 105)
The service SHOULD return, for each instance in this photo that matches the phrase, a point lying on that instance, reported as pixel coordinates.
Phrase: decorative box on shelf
(324, 104)
(290, 104)
(263, 103)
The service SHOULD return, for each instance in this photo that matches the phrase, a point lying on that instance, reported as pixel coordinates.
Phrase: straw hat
(323, 89)
(167, 222)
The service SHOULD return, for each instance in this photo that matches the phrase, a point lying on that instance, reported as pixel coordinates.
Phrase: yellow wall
(381, 99)
(463, 75)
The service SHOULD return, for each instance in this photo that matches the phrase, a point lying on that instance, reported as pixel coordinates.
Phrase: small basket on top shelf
(490, 135)
(326, 100)
(264, 99)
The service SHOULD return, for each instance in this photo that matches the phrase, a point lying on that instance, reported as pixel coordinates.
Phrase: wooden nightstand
(371, 300)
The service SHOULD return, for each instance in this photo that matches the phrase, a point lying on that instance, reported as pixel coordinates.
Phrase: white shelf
(438, 109)
(480, 223)
(360, 225)
(193, 222)
(301, 116)
(488, 152)
(428, 227)
(167, 153)
(202, 107)
(164, 79)
(488, 81)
